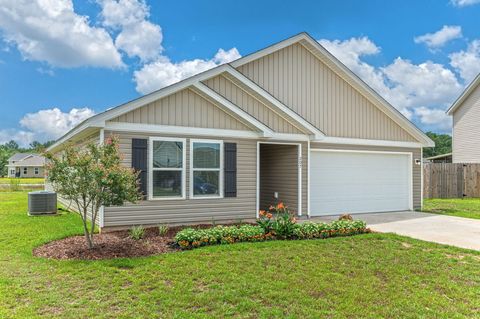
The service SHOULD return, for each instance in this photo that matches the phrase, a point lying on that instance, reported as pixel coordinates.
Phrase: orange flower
(261, 212)
(269, 215)
(271, 207)
(280, 205)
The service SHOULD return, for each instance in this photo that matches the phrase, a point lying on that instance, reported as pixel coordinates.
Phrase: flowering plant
(278, 220)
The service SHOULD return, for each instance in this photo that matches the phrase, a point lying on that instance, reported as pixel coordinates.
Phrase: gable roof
(26, 159)
(98, 121)
(466, 93)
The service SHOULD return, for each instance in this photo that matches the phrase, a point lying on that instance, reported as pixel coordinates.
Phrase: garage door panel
(358, 182)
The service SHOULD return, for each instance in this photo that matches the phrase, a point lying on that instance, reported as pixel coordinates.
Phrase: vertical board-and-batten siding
(416, 169)
(301, 81)
(466, 130)
(250, 104)
(185, 211)
(183, 108)
(279, 173)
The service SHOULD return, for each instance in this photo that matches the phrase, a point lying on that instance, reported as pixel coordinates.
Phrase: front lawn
(372, 275)
(6, 180)
(468, 207)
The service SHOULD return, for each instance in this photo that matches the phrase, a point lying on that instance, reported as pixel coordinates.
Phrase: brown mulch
(108, 245)
(111, 245)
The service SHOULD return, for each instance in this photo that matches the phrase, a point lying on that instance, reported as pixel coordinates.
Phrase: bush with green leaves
(192, 238)
(311, 230)
(163, 230)
(137, 232)
(278, 220)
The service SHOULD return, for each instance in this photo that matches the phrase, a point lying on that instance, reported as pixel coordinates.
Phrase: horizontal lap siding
(279, 173)
(301, 81)
(466, 130)
(190, 210)
(184, 108)
(251, 105)
(416, 169)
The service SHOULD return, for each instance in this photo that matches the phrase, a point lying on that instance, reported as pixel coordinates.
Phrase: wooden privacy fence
(451, 180)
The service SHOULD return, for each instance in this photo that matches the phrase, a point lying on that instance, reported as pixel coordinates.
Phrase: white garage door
(359, 182)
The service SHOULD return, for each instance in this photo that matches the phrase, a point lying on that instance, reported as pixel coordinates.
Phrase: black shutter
(230, 169)
(139, 162)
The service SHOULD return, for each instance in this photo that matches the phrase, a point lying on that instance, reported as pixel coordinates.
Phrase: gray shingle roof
(27, 160)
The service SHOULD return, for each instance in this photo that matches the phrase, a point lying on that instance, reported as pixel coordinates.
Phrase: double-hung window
(167, 168)
(36, 170)
(25, 170)
(206, 163)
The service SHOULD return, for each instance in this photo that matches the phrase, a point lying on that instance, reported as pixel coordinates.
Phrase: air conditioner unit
(42, 202)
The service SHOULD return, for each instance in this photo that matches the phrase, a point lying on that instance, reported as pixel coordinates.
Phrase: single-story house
(442, 158)
(287, 123)
(26, 165)
(466, 129)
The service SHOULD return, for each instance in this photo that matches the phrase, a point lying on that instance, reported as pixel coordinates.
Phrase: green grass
(468, 207)
(369, 276)
(6, 180)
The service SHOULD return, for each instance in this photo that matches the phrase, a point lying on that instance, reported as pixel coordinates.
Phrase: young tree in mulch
(92, 177)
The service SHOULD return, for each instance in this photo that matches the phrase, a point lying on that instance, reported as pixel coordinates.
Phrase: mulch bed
(111, 245)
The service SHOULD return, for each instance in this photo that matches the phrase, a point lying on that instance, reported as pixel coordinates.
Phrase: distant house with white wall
(26, 165)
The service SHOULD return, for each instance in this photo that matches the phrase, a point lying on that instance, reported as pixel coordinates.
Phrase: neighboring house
(466, 125)
(443, 158)
(26, 165)
(289, 122)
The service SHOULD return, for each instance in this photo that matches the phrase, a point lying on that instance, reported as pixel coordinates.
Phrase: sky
(62, 61)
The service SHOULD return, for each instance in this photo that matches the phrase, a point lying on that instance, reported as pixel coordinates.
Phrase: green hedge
(191, 238)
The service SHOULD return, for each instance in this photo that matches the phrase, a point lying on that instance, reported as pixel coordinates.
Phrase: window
(167, 173)
(25, 171)
(12, 172)
(206, 172)
(36, 170)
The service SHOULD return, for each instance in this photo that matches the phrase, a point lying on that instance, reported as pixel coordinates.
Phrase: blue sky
(61, 61)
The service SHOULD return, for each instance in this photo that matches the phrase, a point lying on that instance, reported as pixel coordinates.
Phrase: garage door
(359, 182)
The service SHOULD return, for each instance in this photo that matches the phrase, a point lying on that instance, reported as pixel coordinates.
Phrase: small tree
(91, 178)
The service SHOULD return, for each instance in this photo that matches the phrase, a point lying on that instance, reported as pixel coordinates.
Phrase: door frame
(410, 168)
(299, 175)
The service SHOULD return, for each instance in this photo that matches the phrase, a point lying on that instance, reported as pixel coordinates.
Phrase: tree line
(12, 147)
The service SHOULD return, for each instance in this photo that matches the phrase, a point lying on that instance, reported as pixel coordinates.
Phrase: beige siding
(184, 108)
(279, 173)
(416, 169)
(30, 172)
(250, 104)
(191, 210)
(302, 82)
(466, 130)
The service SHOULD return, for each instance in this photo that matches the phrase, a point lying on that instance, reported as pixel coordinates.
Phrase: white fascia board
(353, 79)
(234, 110)
(470, 88)
(367, 142)
(74, 132)
(285, 109)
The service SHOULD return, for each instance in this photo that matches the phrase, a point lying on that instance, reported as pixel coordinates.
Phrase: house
(442, 158)
(466, 129)
(287, 123)
(26, 165)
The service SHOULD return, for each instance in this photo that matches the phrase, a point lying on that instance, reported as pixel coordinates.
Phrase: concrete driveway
(449, 230)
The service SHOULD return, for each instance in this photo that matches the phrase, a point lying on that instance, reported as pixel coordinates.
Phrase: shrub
(345, 217)
(278, 220)
(192, 238)
(137, 232)
(162, 230)
(310, 230)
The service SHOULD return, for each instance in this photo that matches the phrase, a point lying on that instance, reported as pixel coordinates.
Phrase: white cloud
(406, 85)
(50, 31)
(137, 36)
(467, 62)
(23, 138)
(436, 118)
(464, 3)
(163, 72)
(441, 37)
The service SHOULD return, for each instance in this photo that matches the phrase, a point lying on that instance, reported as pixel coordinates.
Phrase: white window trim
(25, 171)
(220, 184)
(151, 169)
(36, 170)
